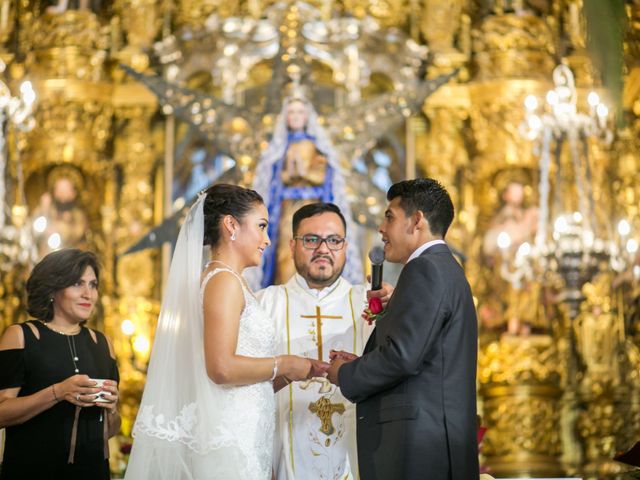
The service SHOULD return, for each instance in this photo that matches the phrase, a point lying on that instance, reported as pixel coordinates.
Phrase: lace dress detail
(251, 408)
(241, 444)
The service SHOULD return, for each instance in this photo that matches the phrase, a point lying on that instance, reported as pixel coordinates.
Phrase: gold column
(73, 114)
(520, 386)
(137, 273)
(577, 58)
(73, 117)
(603, 394)
(442, 151)
(7, 25)
(519, 373)
(446, 28)
(135, 308)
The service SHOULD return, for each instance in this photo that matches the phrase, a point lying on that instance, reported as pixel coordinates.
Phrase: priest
(317, 311)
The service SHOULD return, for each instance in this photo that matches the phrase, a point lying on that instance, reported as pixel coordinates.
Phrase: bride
(208, 408)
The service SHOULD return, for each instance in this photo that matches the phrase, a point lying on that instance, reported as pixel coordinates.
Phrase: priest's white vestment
(316, 425)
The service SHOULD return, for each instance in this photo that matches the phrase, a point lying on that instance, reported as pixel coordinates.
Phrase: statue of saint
(522, 297)
(514, 219)
(299, 166)
(59, 220)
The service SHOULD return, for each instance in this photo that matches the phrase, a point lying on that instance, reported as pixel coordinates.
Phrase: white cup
(99, 397)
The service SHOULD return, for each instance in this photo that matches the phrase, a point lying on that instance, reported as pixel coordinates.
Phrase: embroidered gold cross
(318, 318)
(324, 409)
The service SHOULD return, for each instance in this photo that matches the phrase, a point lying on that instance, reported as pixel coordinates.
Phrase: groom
(415, 384)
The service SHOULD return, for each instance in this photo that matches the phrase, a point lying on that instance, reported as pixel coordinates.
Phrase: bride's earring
(233, 237)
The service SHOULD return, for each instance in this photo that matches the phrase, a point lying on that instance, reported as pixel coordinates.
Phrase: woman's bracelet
(275, 369)
(54, 392)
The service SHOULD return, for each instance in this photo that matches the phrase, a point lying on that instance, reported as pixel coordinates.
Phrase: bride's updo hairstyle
(224, 199)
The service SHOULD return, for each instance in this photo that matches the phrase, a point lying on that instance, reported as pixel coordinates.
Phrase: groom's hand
(384, 294)
(332, 373)
(347, 356)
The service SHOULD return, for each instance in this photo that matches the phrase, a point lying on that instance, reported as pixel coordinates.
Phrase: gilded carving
(390, 13)
(604, 390)
(69, 131)
(632, 40)
(519, 382)
(542, 377)
(135, 156)
(513, 45)
(599, 332)
(441, 22)
(513, 361)
(193, 13)
(72, 44)
(7, 24)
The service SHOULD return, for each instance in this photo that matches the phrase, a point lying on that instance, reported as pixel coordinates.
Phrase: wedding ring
(77, 397)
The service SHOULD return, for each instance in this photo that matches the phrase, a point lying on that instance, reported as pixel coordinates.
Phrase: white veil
(181, 416)
(275, 151)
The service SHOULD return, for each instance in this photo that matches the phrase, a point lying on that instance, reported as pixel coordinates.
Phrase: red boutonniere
(374, 310)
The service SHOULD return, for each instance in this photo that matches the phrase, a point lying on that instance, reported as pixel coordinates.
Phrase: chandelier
(569, 241)
(16, 243)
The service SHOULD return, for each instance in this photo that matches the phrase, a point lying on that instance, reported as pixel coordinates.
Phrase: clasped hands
(330, 370)
(80, 390)
(338, 358)
(318, 368)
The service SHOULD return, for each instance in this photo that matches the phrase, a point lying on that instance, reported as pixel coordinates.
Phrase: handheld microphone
(376, 255)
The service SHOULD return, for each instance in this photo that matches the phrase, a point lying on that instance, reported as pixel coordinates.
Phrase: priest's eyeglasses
(312, 242)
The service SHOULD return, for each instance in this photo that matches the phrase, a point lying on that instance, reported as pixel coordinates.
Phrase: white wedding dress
(229, 438)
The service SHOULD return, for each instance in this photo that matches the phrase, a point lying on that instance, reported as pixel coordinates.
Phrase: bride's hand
(295, 368)
(318, 369)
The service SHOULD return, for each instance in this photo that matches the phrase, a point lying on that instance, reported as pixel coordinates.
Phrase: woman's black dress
(39, 448)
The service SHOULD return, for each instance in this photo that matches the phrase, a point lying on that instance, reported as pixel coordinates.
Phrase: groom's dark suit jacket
(415, 384)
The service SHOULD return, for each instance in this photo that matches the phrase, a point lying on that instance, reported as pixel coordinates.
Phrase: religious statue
(59, 219)
(599, 329)
(299, 166)
(441, 23)
(513, 226)
(520, 223)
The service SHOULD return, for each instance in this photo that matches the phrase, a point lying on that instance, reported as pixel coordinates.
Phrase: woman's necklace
(244, 284)
(71, 341)
(77, 330)
(224, 264)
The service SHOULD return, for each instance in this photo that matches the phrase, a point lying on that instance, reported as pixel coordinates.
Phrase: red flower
(374, 310)
(375, 305)
(481, 432)
(125, 448)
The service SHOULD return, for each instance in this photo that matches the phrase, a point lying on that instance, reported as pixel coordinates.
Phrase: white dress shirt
(418, 251)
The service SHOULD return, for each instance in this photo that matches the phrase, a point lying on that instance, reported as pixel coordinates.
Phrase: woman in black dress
(57, 423)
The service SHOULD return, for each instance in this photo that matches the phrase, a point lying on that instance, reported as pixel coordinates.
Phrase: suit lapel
(372, 342)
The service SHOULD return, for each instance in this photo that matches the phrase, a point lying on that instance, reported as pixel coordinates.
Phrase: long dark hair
(224, 199)
(56, 271)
